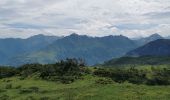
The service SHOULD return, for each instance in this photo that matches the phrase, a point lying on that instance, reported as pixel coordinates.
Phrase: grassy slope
(85, 89)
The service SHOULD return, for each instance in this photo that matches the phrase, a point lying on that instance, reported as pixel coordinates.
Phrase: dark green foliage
(29, 69)
(2, 90)
(160, 77)
(7, 72)
(8, 86)
(104, 81)
(136, 76)
(4, 97)
(18, 87)
(25, 91)
(67, 71)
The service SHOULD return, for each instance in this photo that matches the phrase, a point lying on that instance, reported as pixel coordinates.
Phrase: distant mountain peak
(146, 40)
(116, 36)
(156, 35)
(38, 36)
(122, 36)
(74, 34)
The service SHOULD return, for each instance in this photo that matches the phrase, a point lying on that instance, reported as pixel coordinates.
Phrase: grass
(86, 89)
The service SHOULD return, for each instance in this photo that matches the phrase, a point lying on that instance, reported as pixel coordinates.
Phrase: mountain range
(49, 49)
(12, 47)
(92, 49)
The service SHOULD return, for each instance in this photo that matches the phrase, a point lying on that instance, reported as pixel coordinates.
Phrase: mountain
(92, 49)
(142, 60)
(153, 37)
(159, 47)
(11, 47)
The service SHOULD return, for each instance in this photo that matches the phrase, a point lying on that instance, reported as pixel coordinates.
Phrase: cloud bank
(132, 18)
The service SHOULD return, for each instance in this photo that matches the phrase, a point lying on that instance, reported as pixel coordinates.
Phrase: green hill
(143, 60)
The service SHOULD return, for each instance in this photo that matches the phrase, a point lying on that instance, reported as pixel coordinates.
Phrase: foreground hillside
(70, 79)
(86, 89)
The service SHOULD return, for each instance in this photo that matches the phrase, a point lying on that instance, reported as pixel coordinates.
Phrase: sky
(132, 18)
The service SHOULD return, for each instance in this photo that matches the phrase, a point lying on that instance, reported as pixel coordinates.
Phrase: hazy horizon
(60, 36)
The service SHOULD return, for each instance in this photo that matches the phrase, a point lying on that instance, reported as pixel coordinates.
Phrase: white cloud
(23, 18)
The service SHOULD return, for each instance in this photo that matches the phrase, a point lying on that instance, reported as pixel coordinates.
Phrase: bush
(18, 87)
(136, 76)
(158, 81)
(2, 90)
(25, 91)
(67, 79)
(104, 81)
(8, 86)
(4, 97)
(7, 72)
(65, 71)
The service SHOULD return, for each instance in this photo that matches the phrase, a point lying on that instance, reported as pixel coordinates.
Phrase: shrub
(104, 81)
(2, 90)
(158, 81)
(7, 72)
(18, 87)
(8, 86)
(67, 79)
(4, 97)
(136, 76)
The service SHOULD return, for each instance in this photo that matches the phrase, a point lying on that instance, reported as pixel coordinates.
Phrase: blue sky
(132, 18)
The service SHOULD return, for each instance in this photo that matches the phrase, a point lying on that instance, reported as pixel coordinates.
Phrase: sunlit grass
(85, 89)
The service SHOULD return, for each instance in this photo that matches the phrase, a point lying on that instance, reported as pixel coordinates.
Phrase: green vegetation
(71, 80)
(154, 76)
(142, 60)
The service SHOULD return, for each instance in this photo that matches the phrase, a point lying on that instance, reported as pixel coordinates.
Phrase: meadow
(71, 80)
(85, 89)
